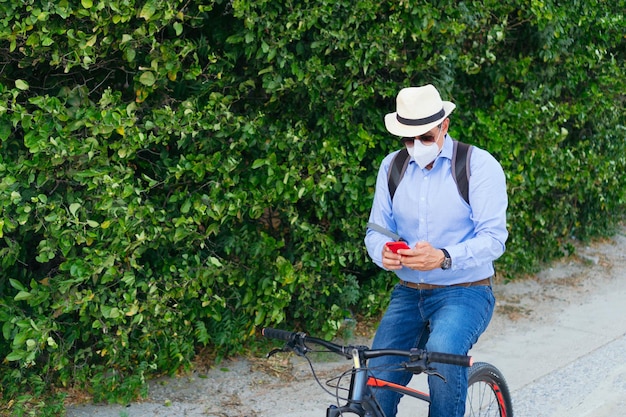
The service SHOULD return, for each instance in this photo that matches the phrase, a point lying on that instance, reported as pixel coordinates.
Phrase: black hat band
(420, 122)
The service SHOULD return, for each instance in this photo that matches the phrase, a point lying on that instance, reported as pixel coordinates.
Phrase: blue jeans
(448, 320)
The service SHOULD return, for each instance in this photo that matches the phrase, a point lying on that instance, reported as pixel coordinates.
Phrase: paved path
(592, 386)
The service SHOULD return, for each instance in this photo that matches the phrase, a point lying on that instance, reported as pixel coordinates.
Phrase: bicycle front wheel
(488, 394)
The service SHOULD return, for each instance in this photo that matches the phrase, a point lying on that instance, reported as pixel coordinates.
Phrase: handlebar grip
(460, 360)
(277, 334)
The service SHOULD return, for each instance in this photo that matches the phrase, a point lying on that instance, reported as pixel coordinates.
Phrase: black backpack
(460, 173)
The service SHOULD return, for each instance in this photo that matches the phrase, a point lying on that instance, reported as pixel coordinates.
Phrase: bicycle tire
(488, 394)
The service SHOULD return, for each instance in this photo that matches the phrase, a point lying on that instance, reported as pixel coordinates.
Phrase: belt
(418, 286)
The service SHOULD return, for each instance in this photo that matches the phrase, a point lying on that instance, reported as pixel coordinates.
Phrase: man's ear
(445, 124)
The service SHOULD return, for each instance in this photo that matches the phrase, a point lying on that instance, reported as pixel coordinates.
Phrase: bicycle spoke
(481, 401)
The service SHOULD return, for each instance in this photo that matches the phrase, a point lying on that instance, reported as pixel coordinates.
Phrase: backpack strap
(461, 154)
(461, 172)
(396, 172)
(396, 237)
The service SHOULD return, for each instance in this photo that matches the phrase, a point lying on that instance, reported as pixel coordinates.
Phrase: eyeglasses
(425, 139)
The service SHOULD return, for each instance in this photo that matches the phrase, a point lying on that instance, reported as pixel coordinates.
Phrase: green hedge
(177, 174)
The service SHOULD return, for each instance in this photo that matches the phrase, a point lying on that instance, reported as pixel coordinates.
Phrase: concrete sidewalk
(592, 386)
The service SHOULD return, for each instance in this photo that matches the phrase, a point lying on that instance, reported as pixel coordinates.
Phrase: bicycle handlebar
(449, 358)
(416, 354)
(278, 334)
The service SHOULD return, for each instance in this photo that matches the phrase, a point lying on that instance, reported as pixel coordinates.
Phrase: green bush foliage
(176, 174)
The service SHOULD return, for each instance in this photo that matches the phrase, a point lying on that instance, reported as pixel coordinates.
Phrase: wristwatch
(447, 261)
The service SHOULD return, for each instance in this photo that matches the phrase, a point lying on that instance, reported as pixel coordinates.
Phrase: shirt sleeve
(381, 214)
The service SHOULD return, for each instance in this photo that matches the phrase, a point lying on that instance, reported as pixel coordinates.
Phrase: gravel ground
(555, 336)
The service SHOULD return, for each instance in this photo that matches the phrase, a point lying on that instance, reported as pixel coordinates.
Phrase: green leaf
(147, 78)
(178, 27)
(106, 311)
(33, 141)
(17, 285)
(130, 54)
(22, 295)
(215, 261)
(115, 313)
(74, 207)
(21, 85)
(15, 356)
(87, 4)
(258, 163)
(185, 207)
(148, 10)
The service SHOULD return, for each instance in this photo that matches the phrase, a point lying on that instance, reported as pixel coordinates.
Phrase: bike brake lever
(298, 349)
(433, 372)
(275, 351)
(420, 367)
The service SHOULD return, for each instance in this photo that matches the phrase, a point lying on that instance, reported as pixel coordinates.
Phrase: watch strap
(447, 260)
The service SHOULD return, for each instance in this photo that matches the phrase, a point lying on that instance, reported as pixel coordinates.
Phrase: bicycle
(488, 393)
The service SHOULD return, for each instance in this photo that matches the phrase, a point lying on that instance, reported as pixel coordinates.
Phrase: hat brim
(399, 129)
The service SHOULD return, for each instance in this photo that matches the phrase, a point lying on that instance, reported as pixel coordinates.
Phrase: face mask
(424, 154)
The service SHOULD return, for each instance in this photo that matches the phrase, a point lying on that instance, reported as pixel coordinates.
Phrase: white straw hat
(418, 110)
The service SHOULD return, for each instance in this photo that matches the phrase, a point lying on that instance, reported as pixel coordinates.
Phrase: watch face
(447, 262)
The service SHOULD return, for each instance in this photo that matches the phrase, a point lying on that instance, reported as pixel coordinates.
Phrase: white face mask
(422, 154)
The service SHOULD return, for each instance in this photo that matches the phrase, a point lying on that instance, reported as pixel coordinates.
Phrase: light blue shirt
(427, 206)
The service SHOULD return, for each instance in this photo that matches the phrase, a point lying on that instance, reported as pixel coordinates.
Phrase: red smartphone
(394, 246)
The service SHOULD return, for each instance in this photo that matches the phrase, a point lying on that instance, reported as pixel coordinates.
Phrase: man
(443, 300)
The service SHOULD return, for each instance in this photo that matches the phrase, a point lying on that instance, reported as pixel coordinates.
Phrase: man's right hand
(391, 260)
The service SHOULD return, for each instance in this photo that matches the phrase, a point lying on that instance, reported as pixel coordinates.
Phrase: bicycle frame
(381, 384)
(359, 401)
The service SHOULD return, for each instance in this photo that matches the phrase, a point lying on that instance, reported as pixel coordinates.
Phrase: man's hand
(422, 257)
(392, 261)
